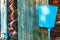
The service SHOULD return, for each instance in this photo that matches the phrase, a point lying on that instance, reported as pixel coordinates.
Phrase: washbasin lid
(47, 15)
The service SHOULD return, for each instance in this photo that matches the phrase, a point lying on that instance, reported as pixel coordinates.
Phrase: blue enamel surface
(47, 16)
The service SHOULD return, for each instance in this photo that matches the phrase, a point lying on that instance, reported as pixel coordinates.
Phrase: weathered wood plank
(27, 21)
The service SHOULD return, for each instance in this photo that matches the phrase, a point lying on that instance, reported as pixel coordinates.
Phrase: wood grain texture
(55, 33)
(27, 21)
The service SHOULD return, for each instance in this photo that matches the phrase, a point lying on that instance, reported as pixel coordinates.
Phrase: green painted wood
(27, 21)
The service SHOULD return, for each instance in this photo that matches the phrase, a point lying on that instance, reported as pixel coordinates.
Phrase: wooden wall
(27, 20)
(55, 33)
